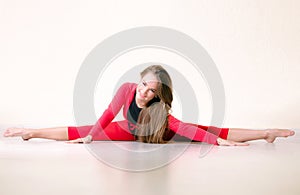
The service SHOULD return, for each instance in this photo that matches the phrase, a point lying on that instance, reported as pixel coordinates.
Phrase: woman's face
(146, 89)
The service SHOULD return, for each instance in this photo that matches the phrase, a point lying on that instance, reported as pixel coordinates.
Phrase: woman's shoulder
(128, 85)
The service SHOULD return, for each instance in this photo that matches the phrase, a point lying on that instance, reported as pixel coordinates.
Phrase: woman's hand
(85, 140)
(223, 142)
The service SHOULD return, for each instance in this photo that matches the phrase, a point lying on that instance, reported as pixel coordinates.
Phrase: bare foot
(15, 132)
(272, 134)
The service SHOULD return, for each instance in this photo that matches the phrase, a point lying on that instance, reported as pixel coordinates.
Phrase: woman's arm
(211, 135)
(108, 115)
(191, 131)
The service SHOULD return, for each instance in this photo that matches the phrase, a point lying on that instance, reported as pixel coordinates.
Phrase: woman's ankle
(28, 134)
(268, 136)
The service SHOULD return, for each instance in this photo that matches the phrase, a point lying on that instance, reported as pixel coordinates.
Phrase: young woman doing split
(146, 109)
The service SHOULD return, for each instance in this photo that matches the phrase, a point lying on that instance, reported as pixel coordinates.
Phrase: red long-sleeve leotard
(123, 98)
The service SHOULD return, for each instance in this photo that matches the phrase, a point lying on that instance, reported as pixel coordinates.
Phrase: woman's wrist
(219, 141)
(89, 138)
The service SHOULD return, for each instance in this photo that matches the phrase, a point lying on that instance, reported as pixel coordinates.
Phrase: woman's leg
(115, 131)
(242, 135)
(58, 133)
(220, 132)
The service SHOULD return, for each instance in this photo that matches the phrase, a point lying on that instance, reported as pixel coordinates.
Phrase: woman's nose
(144, 90)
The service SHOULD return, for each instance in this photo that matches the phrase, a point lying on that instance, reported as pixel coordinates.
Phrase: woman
(146, 110)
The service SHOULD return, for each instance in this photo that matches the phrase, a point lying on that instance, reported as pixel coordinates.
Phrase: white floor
(50, 167)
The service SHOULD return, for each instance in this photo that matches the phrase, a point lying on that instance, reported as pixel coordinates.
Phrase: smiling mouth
(141, 96)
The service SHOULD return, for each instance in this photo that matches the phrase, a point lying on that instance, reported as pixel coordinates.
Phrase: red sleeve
(190, 131)
(113, 109)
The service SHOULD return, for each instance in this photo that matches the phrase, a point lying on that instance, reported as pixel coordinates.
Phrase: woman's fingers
(75, 141)
(85, 140)
(241, 144)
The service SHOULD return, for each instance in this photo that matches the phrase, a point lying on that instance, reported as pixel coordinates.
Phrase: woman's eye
(144, 83)
(152, 90)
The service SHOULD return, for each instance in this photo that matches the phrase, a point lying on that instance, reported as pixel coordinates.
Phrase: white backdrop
(255, 45)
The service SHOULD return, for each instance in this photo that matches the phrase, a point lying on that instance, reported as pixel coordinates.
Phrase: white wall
(255, 45)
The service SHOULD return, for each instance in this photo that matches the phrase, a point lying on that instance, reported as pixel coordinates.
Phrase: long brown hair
(152, 122)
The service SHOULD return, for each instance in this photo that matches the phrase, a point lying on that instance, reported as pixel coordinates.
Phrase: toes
(289, 133)
(6, 133)
(11, 132)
